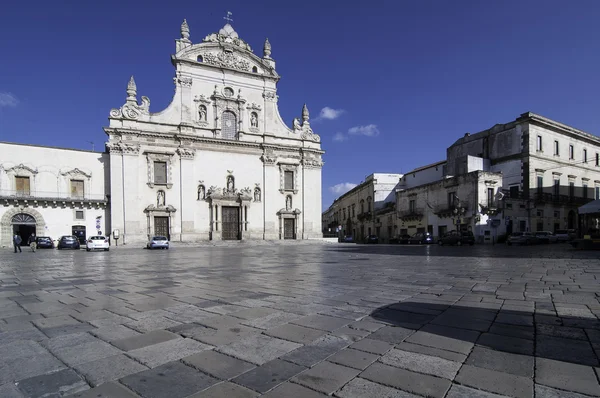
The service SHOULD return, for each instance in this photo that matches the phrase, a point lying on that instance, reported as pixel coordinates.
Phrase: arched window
(254, 69)
(229, 125)
(200, 59)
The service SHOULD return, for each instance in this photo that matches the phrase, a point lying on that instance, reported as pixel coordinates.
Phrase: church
(218, 163)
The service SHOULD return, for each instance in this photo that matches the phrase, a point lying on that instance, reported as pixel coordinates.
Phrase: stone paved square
(302, 319)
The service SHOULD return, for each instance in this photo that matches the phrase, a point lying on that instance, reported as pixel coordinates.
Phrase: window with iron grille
(229, 125)
(160, 172)
(288, 177)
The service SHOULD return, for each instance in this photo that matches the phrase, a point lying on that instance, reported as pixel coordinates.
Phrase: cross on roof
(228, 17)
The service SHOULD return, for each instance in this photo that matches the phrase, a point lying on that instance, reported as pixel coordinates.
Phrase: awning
(588, 208)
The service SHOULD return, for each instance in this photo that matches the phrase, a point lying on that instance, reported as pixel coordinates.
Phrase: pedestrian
(32, 242)
(17, 242)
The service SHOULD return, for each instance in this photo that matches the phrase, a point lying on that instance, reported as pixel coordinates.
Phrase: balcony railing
(6, 194)
(411, 214)
(458, 209)
(543, 197)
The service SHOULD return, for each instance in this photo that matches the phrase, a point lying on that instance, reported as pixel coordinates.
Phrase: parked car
(97, 242)
(420, 238)
(565, 235)
(44, 242)
(347, 239)
(372, 239)
(158, 242)
(546, 237)
(68, 242)
(522, 238)
(457, 238)
(400, 239)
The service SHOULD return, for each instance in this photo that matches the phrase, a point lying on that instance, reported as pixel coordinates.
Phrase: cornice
(541, 120)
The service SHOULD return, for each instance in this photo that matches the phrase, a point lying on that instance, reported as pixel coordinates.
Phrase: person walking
(17, 243)
(32, 242)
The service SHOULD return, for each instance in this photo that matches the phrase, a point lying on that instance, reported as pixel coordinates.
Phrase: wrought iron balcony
(458, 209)
(49, 198)
(543, 197)
(411, 214)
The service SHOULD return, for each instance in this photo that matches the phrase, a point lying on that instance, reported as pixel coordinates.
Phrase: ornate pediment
(76, 172)
(20, 169)
(227, 59)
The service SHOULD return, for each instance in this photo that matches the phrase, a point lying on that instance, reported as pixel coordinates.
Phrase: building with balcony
(54, 192)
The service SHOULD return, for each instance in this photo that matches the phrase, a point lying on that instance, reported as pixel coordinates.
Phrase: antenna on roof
(93, 146)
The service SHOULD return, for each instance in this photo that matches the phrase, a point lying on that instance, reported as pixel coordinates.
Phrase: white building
(217, 163)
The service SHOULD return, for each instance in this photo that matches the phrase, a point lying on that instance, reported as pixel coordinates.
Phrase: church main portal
(231, 223)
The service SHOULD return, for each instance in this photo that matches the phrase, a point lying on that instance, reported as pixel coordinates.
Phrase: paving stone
(69, 340)
(67, 329)
(225, 390)
(45, 323)
(350, 334)
(63, 382)
(108, 369)
(458, 391)
(25, 367)
(218, 365)
(561, 331)
(220, 322)
(109, 321)
(520, 365)
(316, 351)
(171, 380)
(506, 343)
(568, 350)
(496, 382)
(9, 390)
(322, 322)
(20, 349)
(258, 349)
(271, 321)
(521, 332)
(515, 319)
(253, 313)
(86, 352)
(449, 339)
(406, 380)
(391, 334)
(326, 377)
(115, 332)
(372, 346)
(435, 352)
(150, 324)
(167, 351)
(144, 340)
(218, 337)
(353, 358)
(366, 325)
(421, 363)
(362, 388)
(268, 375)
(568, 376)
(106, 390)
(295, 333)
(547, 392)
(15, 335)
(292, 390)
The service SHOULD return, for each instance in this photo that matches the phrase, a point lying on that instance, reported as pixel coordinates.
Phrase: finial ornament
(228, 17)
(267, 49)
(131, 90)
(305, 114)
(185, 30)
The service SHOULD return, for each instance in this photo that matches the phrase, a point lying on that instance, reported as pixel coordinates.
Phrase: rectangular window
(571, 152)
(597, 192)
(585, 191)
(556, 214)
(539, 143)
(77, 189)
(514, 191)
(79, 215)
(411, 206)
(540, 184)
(344, 214)
(540, 213)
(490, 196)
(288, 177)
(160, 172)
(22, 185)
(571, 190)
(585, 156)
(556, 152)
(556, 187)
(451, 198)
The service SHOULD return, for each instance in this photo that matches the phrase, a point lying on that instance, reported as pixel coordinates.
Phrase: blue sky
(399, 80)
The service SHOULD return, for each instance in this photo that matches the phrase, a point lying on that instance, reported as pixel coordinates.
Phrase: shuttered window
(288, 180)
(77, 189)
(22, 185)
(160, 172)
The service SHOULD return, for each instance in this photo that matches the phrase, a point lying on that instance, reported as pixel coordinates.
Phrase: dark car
(457, 238)
(347, 239)
(371, 239)
(68, 242)
(400, 239)
(420, 238)
(44, 242)
(522, 238)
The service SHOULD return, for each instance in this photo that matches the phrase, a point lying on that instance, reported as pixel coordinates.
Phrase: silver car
(546, 237)
(158, 242)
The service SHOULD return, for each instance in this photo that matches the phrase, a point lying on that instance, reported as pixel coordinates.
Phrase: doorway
(231, 223)
(79, 232)
(23, 225)
(571, 220)
(289, 228)
(161, 227)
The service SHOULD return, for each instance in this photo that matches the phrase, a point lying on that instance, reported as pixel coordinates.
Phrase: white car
(97, 242)
(158, 242)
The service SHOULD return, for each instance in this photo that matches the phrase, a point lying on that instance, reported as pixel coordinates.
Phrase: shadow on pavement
(456, 328)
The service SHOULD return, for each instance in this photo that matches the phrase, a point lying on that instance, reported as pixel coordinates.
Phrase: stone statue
(202, 113)
(297, 126)
(253, 120)
(288, 203)
(201, 193)
(230, 185)
(257, 195)
(160, 198)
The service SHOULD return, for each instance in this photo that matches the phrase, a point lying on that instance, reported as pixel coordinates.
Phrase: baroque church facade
(218, 163)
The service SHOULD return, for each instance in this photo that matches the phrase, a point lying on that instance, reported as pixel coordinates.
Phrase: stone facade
(218, 162)
(52, 192)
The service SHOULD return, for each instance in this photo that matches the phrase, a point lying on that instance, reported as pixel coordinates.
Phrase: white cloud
(339, 137)
(342, 187)
(369, 130)
(330, 113)
(8, 99)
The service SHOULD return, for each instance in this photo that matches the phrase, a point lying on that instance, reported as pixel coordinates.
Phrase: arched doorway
(24, 225)
(571, 220)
